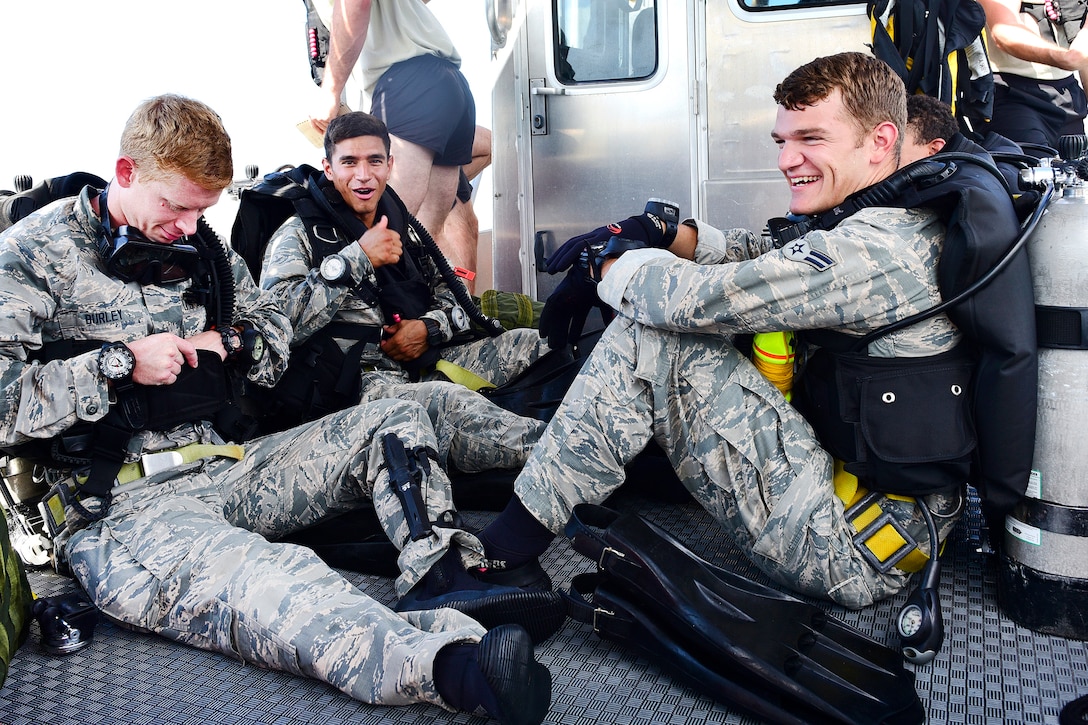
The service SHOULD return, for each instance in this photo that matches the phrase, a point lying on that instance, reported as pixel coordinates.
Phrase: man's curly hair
(871, 91)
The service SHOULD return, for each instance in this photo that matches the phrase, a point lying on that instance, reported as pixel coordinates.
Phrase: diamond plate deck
(989, 672)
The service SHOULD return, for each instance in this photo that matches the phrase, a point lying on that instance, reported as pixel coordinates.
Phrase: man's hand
(159, 357)
(405, 340)
(381, 245)
(325, 107)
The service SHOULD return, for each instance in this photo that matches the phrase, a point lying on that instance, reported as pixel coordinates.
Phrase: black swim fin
(794, 662)
(614, 618)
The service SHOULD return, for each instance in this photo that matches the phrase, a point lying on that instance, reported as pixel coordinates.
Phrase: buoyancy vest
(206, 392)
(321, 377)
(404, 288)
(983, 256)
(14, 207)
(937, 47)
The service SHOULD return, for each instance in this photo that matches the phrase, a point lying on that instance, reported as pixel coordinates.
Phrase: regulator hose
(492, 326)
(219, 297)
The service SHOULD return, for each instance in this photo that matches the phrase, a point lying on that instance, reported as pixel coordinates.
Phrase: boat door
(602, 89)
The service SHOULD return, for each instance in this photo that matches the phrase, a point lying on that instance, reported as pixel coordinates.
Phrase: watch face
(116, 363)
(459, 318)
(333, 268)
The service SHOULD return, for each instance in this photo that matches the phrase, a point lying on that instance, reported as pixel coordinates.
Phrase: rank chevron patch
(800, 251)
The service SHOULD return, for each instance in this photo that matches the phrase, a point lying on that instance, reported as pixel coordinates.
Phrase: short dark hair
(871, 91)
(929, 118)
(354, 125)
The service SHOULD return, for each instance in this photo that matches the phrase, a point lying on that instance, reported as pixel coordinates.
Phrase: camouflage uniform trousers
(737, 445)
(184, 553)
(473, 433)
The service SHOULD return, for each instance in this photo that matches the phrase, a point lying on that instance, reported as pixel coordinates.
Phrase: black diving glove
(566, 309)
(656, 226)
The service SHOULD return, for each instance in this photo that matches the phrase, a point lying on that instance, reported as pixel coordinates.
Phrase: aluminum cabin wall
(571, 156)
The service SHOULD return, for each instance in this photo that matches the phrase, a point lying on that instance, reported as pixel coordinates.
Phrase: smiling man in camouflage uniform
(388, 268)
(100, 328)
(667, 368)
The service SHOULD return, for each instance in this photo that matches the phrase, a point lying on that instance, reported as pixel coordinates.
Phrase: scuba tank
(1042, 576)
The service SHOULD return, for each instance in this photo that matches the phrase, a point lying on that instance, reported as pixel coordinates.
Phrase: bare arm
(350, 21)
(1012, 35)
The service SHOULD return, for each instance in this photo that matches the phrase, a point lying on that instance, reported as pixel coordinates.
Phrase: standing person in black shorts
(410, 70)
(1037, 53)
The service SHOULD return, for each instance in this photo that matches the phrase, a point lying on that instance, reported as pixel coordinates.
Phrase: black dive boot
(448, 584)
(498, 675)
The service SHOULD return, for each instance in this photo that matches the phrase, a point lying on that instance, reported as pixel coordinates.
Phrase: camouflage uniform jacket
(54, 288)
(874, 268)
(291, 274)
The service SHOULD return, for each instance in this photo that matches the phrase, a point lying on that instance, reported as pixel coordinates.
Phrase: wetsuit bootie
(498, 675)
(513, 543)
(448, 584)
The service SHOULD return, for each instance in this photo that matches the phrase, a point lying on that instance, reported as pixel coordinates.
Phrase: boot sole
(522, 685)
(541, 613)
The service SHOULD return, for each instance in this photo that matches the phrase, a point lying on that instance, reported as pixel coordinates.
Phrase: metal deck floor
(990, 670)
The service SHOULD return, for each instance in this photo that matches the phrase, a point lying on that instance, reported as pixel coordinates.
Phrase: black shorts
(426, 101)
(1031, 111)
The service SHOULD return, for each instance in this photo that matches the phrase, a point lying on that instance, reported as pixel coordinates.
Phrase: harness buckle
(862, 537)
(605, 552)
(154, 462)
(597, 612)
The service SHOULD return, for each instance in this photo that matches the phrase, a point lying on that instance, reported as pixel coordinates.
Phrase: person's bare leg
(429, 191)
(460, 237)
(481, 153)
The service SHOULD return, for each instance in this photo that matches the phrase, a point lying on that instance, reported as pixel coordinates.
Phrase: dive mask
(133, 257)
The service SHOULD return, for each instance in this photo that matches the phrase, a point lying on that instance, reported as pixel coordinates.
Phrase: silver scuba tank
(1043, 575)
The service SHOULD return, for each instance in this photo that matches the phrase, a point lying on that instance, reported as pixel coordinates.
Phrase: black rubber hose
(222, 289)
(493, 327)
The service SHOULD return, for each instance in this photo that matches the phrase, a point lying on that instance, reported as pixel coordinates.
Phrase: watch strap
(232, 341)
(434, 332)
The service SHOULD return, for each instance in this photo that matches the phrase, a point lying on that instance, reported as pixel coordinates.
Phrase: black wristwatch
(116, 362)
(434, 332)
(246, 347)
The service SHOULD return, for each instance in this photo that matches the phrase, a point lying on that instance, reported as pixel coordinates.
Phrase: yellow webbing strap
(192, 452)
(886, 540)
(461, 376)
(54, 501)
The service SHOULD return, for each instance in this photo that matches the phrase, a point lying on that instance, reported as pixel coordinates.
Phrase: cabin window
(605, 40)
